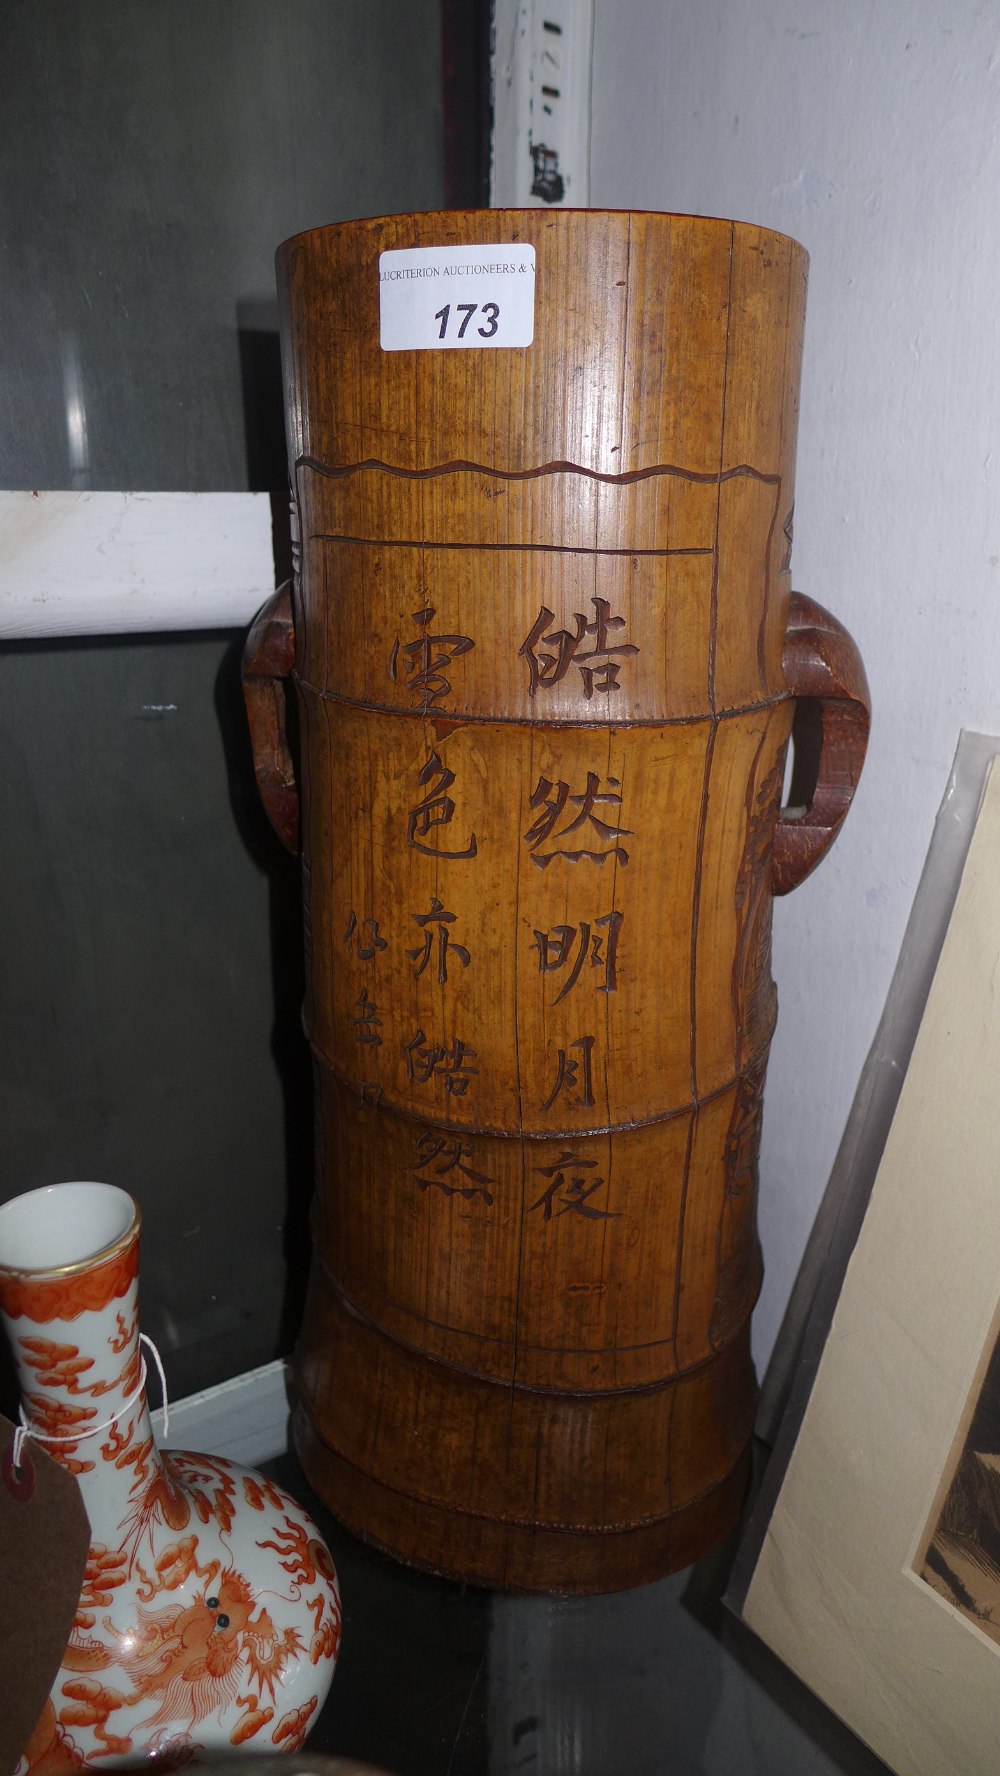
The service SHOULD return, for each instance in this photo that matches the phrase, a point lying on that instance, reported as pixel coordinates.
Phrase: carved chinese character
(436, 809)
(367, 1024)
(569, 1191)
(553, 799)
(424, 660)
(572, 1073)
(439, 918)
(742, 1147)
(353, 938)
(597, 667)
(555, 949)
(441, 1155)
(452, 1062)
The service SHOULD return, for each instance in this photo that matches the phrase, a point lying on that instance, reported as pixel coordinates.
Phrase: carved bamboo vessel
(547, 659)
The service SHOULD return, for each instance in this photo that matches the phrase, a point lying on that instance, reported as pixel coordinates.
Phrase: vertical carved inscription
(451, 1062)
(553, 800)
(597, 665)
(357, 943)
(439, 1158)
(568, 1191)
(598, 947)
(422, 663)
(367, 1023)
(435, 809)
(436, 923)
(574, 1074)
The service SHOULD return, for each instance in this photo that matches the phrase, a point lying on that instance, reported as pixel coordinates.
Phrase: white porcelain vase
(210, 1614)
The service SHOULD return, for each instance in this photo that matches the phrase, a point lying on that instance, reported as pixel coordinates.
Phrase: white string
(158, 1360)
(26, 1429)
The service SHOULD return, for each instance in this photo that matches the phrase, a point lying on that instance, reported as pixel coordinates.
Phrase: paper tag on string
(44, 1538)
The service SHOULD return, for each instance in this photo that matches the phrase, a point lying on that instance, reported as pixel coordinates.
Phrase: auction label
(456, 298)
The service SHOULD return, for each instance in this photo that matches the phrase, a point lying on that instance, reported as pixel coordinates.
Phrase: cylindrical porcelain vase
(547, 660)
(210, 1615)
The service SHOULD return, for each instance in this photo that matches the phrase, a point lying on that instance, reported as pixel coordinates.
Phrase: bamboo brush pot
(547, 660)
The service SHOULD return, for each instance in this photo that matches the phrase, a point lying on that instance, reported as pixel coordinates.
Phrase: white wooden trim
(245, 1418)
(541, 81)
(108, 563)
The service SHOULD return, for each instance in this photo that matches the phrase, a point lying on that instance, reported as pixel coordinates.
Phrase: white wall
(869, 131)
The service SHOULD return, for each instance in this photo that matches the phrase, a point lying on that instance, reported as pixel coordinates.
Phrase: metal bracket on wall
(542, 54)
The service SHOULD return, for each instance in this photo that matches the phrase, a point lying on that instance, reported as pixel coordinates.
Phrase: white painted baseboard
(245, 1418)
(114, 563)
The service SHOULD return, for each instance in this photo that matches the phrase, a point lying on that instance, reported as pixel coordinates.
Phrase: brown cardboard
(44, 1537)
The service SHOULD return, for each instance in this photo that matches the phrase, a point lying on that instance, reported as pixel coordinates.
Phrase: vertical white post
(542, 54)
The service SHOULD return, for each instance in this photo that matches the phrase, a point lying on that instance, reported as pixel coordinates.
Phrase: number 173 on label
(457, 298)
(490, 313)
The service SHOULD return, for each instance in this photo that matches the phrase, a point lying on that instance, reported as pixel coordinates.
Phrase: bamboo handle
(825, 674)
(268, 658)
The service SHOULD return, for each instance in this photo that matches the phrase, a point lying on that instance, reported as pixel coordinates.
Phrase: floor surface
(439, 1679)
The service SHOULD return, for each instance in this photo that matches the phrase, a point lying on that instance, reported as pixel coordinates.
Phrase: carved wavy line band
(705, 478)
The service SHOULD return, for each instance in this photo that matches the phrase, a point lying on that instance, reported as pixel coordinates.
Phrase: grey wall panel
(153, 157)
(150, 982)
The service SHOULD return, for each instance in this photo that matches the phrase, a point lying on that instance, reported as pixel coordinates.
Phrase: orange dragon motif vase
(210, 1615)
(547, 661)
